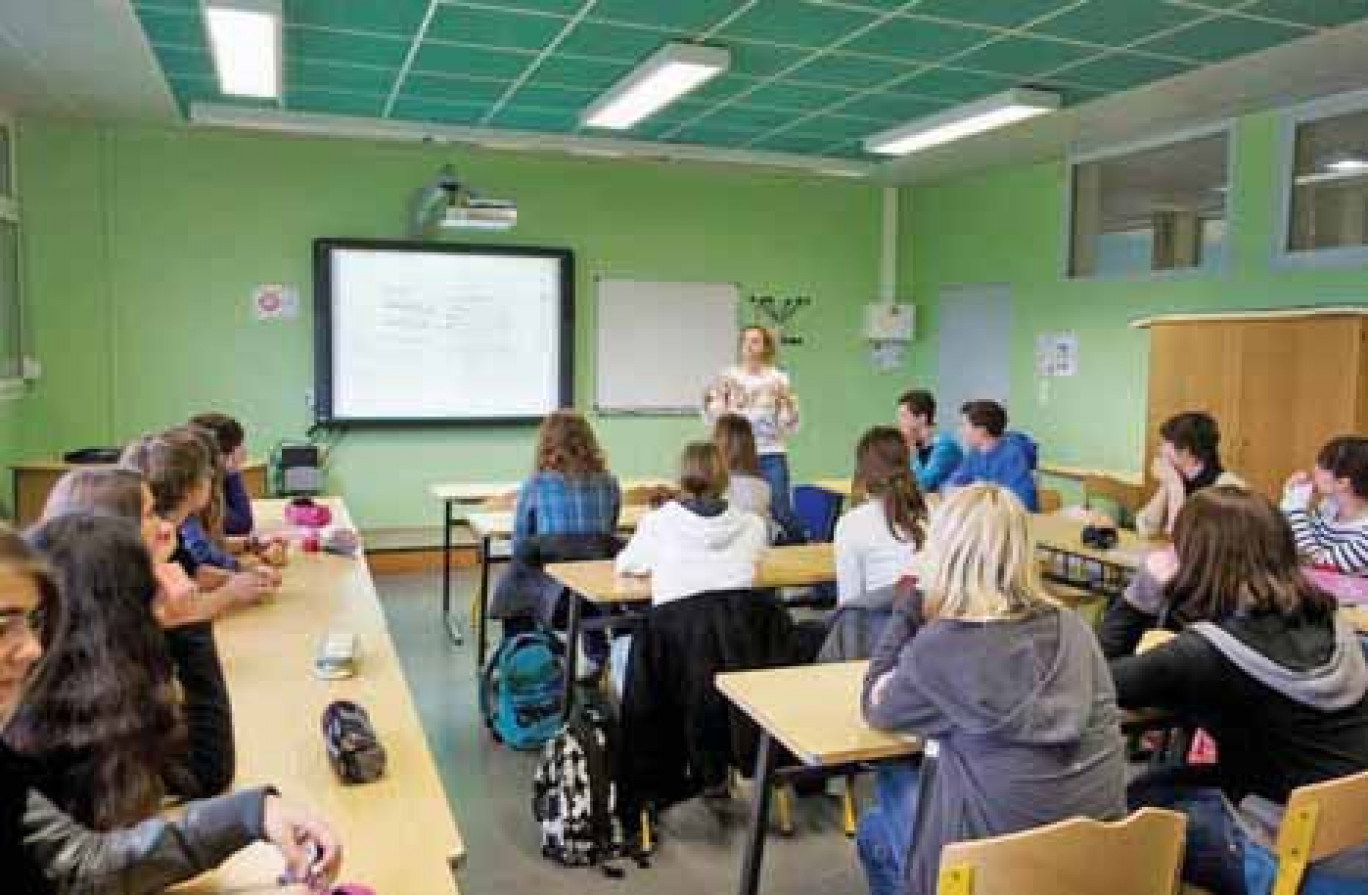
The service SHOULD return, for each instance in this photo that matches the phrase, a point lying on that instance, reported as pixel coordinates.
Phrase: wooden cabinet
(34, 480)
(1280, 384)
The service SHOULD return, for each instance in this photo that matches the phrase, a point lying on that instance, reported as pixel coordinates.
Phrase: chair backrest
(1049, 500)
(646, 495)
(1139, 855)
(1321, 819)
(817, 510)
(1129, 498)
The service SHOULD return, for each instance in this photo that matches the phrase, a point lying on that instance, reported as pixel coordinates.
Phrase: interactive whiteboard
(440, 332)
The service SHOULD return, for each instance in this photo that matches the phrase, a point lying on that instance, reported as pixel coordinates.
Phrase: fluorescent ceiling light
(986, 114)
(244, 36)
(668, 74)
(1348, 164)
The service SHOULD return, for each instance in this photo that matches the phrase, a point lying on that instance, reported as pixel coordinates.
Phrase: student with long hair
(202, 532)
(1270, 671)
(1010, 686)
(747, 490)
(758, 390)
(1335, 534)
(571, 491)
(876, 541)
(44, 851)
(230, 439)
(1187, 460)
(182, 612)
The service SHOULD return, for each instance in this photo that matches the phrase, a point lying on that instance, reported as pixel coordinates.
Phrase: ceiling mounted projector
(447, 204)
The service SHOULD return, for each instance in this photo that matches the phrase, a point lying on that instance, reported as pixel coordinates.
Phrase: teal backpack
(520, 690)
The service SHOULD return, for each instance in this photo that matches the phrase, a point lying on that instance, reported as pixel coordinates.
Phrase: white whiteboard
(660, 344)
(439, 334)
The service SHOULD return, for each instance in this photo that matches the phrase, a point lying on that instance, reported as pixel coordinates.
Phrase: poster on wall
(275, 302)
(1057, 354)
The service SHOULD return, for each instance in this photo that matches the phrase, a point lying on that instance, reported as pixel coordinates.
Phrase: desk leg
(572, 639)
(482, 635)
(453, 627)
(759, 819)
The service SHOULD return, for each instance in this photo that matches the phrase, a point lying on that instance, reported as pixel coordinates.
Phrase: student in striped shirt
(1335, 534)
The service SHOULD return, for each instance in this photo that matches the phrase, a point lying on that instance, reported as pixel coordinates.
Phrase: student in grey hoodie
(1273, 674)
(1010, 687)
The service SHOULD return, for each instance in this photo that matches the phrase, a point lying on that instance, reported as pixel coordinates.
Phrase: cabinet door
(1194, 365)
(1298, 388)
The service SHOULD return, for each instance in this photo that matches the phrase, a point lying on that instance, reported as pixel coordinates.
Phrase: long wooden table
(398, 833)
(491, 526)
(454, 496)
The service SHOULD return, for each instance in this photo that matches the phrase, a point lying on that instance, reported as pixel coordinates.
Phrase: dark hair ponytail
(883, 469)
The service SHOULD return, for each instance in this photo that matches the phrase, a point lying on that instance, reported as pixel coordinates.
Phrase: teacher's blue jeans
(774, 470)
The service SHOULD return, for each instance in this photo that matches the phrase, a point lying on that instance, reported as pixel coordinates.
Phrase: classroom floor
(490, 787)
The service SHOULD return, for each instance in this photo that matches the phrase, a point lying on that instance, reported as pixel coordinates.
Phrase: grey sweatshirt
(1025, 718)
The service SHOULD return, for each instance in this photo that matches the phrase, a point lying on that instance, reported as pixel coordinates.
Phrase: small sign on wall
(274, 301)
(1057, 354)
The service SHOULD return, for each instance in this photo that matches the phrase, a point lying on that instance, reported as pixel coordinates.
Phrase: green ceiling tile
(807, 144)
(439, 58)
(317, 73)
(556, 7)
(1117, 22)
(616, 42)
(722, 87)
(667, 120)
(859, 72)
(801, 24)
(1121, 71)
(711, 135)
(492, 28)
(803, 97)
(998, 13)
(385, 16)
(761, 60)
(1223, 38)
(415, 109)
(1321, 13)
(917, 39)
(575, 72)
(954, 86)
(743, 117)
(554, 97)
(1024, 56)
(337, 46)
(185, 61)
(693, 16)
(535, 118)
(174, 5)
(453, 89)
(334, 102)
(177, 28)
(836, 127)
(891, 108)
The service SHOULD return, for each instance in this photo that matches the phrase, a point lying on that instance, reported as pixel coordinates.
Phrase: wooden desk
(597, 582)
(1079, 473)
(452, 495)
(398, 833)
(1105, 572)
(492, 525)
(1358, 615)
(33, 483)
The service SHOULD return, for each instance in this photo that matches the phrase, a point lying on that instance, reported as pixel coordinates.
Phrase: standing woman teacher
(758, 390)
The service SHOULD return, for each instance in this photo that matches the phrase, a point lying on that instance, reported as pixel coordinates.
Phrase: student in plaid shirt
(571, 492)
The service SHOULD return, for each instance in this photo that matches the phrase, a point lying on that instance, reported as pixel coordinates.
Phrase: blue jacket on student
(196, 542)
(936, 462)
(1010, 463)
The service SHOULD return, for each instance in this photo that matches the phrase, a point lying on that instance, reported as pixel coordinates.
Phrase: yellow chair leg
(783, 809)
(849, 810)
(646, 844)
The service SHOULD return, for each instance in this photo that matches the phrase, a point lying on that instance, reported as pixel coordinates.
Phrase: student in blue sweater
(935, 455)
(992, 454)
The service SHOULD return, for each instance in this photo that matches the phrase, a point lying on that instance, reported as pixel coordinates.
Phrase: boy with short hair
(935, 455)
(992, 454)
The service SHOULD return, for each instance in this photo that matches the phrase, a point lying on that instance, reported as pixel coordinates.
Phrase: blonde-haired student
(1011, 687)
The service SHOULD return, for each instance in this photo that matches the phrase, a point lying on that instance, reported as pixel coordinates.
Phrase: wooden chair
(1050, 500)
(1140, 855)
(1321, 820)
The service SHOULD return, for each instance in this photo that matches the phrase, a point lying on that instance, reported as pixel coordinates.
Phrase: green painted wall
(142, 246)
(11, 447)
(1005, 226)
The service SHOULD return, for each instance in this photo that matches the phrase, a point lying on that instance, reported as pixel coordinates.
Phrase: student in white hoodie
(694, 544)
(876, 541)
(697, 542)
